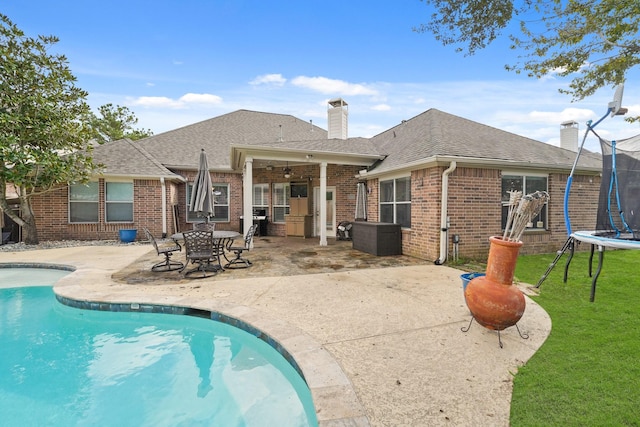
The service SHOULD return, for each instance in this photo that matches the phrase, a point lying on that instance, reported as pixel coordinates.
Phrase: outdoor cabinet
(299, 225)
(299, 222)
(377, 238)
(298, 206)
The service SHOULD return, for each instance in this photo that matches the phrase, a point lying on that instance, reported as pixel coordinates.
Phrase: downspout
(444, 227)
(163, 186)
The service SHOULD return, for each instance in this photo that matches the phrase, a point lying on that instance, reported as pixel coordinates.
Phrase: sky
(178, 62)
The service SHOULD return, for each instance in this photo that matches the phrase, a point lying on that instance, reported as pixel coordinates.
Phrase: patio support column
(323, 204)
(247, 196)
(163, 197)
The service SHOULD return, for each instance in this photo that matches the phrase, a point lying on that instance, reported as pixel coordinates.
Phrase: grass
(587, 373)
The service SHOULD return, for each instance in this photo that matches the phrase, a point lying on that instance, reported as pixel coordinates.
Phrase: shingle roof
(127, 158)
(428, 137)
(180, 148)
(437, 134)
(362, 146)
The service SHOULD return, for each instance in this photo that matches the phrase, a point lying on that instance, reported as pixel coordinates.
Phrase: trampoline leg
(591, 260)
(595, 277)
(566, 266)
(555, 261)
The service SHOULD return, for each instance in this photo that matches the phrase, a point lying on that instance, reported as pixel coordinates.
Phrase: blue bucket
(467, 277)
(128, 236)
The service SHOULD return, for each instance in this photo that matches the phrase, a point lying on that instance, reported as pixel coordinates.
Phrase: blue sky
(175, 63)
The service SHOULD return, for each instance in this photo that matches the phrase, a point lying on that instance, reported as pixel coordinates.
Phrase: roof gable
(180, 148)
(435, 134)
(127, 158)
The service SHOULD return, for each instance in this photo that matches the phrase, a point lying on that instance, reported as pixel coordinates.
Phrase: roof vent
(338, 118)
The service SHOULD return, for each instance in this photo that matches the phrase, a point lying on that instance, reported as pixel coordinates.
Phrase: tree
(596, 42)
(116, 123)
(44, 123)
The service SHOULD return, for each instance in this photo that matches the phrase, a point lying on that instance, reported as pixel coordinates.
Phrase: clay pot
(493, 300)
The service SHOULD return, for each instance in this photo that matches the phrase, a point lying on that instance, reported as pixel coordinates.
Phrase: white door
(331, 211)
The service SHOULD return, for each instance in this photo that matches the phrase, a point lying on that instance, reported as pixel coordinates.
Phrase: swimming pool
(66, 366)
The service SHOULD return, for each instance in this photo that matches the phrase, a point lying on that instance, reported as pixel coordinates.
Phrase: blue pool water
(62, 366)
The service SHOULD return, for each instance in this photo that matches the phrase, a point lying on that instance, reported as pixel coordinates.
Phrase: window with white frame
(84, 202)
(261, 197)
(220, 204)
(280, 201)
(527, 184)
(395, 201)
(119, 201)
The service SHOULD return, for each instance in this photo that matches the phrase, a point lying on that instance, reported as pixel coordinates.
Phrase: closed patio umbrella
(201, 200)
(361, 202)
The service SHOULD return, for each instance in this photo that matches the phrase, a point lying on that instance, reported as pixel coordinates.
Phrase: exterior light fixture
(287, 171)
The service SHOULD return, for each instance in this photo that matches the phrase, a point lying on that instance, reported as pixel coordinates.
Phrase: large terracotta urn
(493, 300)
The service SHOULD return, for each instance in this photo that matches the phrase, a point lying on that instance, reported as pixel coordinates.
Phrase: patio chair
(239, 261)
(166, 250)
(206, 226)
(201, 250)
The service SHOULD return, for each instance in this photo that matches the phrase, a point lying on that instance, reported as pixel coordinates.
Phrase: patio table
(224, 238)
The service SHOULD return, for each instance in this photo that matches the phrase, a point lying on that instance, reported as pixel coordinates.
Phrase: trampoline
(618, 220)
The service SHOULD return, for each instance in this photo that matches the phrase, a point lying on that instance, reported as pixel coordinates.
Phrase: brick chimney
(569, 135)
(338, 122)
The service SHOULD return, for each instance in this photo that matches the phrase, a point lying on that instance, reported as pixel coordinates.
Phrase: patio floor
(276, 256)
(378, 338)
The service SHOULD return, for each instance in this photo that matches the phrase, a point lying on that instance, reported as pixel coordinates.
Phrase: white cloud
(579, 115)
(381, 107)
(156, 102)
(272, 79)
(200, 98)
(332, 87)
(184, 101)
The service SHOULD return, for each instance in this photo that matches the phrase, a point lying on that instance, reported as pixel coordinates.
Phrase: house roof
(351, 151)
(437, 136)
(127, 158)
(180, 148)
(433, 137)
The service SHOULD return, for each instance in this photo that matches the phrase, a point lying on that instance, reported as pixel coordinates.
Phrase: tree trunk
(29, 230)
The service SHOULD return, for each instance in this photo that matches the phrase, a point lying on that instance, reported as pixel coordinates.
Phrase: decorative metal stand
(523, 336)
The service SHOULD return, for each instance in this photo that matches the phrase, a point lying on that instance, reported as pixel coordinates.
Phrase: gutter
(444, 227)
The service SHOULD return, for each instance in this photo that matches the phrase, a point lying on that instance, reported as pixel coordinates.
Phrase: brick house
(438, 175)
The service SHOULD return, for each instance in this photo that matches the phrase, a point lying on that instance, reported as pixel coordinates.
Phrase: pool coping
(334, 397)
(45, 265)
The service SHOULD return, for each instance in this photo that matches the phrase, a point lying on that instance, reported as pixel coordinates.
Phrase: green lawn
(587, 373)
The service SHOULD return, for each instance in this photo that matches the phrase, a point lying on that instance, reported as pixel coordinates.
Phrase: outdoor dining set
(205, 249)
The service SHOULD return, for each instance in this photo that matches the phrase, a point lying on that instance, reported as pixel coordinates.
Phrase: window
(220, 204)
(395, 201)
(83, 202)
(280, 201)
(527, 184)
(119, 201)
(260, 197)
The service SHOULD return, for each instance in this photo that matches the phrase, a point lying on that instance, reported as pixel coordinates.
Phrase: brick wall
(52, 214)
(474, 210)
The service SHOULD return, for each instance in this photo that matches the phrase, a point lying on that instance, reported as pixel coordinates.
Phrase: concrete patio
(378, 339)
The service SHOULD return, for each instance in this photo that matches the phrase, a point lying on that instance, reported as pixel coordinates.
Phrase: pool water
(62, 366)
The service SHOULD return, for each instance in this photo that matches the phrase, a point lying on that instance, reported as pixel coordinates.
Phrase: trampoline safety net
(619, 201)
